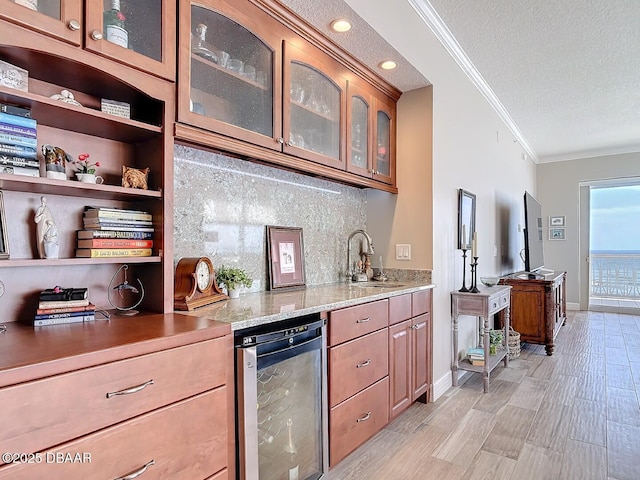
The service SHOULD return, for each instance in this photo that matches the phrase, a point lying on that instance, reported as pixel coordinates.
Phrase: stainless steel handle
(96, 35)
(415, 327)
(363, 320)
(365, 418)
(127, 391)
(289, 143)
(280, 140)
(73, 24)
(138, 472)
(364, 364)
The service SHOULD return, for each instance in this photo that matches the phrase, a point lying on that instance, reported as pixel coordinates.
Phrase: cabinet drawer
(357, 364)
(353, 322)
(355, 421)
(186, 440)
(420, 302)
(498, 302)
(36, 415)
(399, 308)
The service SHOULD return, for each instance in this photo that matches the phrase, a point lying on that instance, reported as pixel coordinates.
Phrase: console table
(484, 304)
(539, 306)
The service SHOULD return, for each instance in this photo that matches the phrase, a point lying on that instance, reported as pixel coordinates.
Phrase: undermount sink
(377, 285)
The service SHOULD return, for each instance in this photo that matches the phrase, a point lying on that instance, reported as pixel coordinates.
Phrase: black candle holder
(464, 271)
(474, 285)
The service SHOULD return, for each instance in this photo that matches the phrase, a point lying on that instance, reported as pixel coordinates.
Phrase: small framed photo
(557, 234)
(286, 258)
(4, 235)
(557, 221)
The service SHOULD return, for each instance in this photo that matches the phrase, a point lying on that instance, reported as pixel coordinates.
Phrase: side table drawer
(357, 364)
(498, 302)
(356, 420)
(42, 413)
(352, 322)
(186, 440)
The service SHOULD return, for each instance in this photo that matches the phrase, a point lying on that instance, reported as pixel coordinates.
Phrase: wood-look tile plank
(497, 398)
(537, 463)
(583, 461)
(414, 416)
(551, 426)
(507, 436)
(589, 422)
(622, 406)
(454, 409)
(489, 465)
(515, 372)
(619, 376)
(591, 386)
(623, 445)
(529, 393)
(616, 356)
(562, 389)
(466, 439)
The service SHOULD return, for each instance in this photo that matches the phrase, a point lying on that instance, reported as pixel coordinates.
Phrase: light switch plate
(403, 251)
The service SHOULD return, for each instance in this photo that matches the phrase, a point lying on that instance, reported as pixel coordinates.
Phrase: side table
(484, 304)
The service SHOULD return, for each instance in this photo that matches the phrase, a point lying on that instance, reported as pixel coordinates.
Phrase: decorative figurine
(55, 160)
(125, 291)
(134, 177)
(67, 97)
(46, 230)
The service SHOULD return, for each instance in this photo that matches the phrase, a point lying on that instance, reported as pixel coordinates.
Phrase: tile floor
(574, 415)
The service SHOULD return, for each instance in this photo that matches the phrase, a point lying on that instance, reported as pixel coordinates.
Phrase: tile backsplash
(222, 206)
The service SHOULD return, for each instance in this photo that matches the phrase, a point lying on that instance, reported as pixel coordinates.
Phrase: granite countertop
(260, 308)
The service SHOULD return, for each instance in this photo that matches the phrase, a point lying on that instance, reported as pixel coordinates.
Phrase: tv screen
(533, 254)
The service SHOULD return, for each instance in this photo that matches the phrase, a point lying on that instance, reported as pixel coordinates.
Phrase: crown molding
(431, 18)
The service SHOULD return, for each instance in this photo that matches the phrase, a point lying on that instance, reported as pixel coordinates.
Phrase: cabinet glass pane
(134, 24)
(383, 144)
(315, 111)
(50, 8)
(231, 73)
(359, 133)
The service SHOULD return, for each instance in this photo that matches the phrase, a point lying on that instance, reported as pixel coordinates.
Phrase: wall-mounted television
(533, 252)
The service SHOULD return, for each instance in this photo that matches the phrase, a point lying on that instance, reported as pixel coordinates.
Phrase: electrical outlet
(403, 251)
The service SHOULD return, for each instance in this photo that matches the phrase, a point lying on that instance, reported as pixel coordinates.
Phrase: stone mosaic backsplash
(222, 206)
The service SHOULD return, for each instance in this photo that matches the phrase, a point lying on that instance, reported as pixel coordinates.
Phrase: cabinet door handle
(280, 140)
(127, 391)
(73, 24)
(96, 35)
(364, 364)
(289, 143)
(415, 327)
(138, 472)
(363, 320)
(364, 418)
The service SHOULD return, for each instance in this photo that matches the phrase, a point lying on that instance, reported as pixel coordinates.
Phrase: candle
(463, 241)
(474, 245)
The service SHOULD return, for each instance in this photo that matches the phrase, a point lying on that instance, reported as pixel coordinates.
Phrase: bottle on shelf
(114, 25)
(200, 46)
(293, 467)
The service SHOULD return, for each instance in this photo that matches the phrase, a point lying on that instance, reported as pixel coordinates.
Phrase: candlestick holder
(464, 271)
(474, 285)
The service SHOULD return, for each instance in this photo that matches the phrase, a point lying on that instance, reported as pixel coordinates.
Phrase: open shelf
(66, 262)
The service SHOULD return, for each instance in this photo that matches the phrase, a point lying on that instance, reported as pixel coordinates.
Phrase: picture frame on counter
(4, 235)
(285, 253)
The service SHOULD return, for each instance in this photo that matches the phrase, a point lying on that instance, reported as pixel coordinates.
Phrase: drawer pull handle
(364, 364)
(495, 305)
(127, 391)
(363, 320)
(138, 472)
(365, 418)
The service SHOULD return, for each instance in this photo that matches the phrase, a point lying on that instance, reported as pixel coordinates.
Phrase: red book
(47, 311)
(114, 243)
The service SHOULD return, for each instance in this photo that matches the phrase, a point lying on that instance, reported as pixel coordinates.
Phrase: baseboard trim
(573, 306)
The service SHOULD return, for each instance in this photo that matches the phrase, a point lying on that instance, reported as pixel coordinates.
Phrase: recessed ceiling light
(341, 25)
(388, 65)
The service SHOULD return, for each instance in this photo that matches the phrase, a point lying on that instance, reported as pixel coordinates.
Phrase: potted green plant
(233, 278)
(495, 339)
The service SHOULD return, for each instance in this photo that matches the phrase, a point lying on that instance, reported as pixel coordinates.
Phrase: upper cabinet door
(61, 19)
(384, 148)
(139, 34)
(359, 128)
(230, 80)
(314, 109)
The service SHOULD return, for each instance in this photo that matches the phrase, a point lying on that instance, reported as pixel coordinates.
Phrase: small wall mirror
(466, 218)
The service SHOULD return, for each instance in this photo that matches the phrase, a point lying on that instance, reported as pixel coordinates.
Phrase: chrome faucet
(359, 272)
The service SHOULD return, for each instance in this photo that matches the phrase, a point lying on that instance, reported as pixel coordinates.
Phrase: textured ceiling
(567, 72)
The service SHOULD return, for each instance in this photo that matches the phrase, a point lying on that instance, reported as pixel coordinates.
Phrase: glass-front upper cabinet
(230, 76)
(359, 121)
(384, 153)
(314, 108)
(139, 33)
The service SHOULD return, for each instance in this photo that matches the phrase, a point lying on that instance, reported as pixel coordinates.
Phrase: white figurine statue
(45, 223)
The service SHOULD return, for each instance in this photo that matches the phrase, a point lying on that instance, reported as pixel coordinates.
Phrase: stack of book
(18, 141)
(64, 305)
(476, 356)
(115, 232)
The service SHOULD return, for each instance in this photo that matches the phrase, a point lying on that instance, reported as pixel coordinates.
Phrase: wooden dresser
(150, 394)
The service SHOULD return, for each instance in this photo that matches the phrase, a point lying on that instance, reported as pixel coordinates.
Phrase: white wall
(558, 192)
(472, 149)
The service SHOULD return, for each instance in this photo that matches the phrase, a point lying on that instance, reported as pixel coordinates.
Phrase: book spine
(14, 161)
(58, 321)
(114, 234)
(27, 171)
(18, 130)
(19, 140)
(113, 252)
(47, 311)
(63, 304)
(15, 110)
(119, 227)
(17, 120)
(112, 222)
(117, 216)
(18, 150)
(51, 316)
(114, 243)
